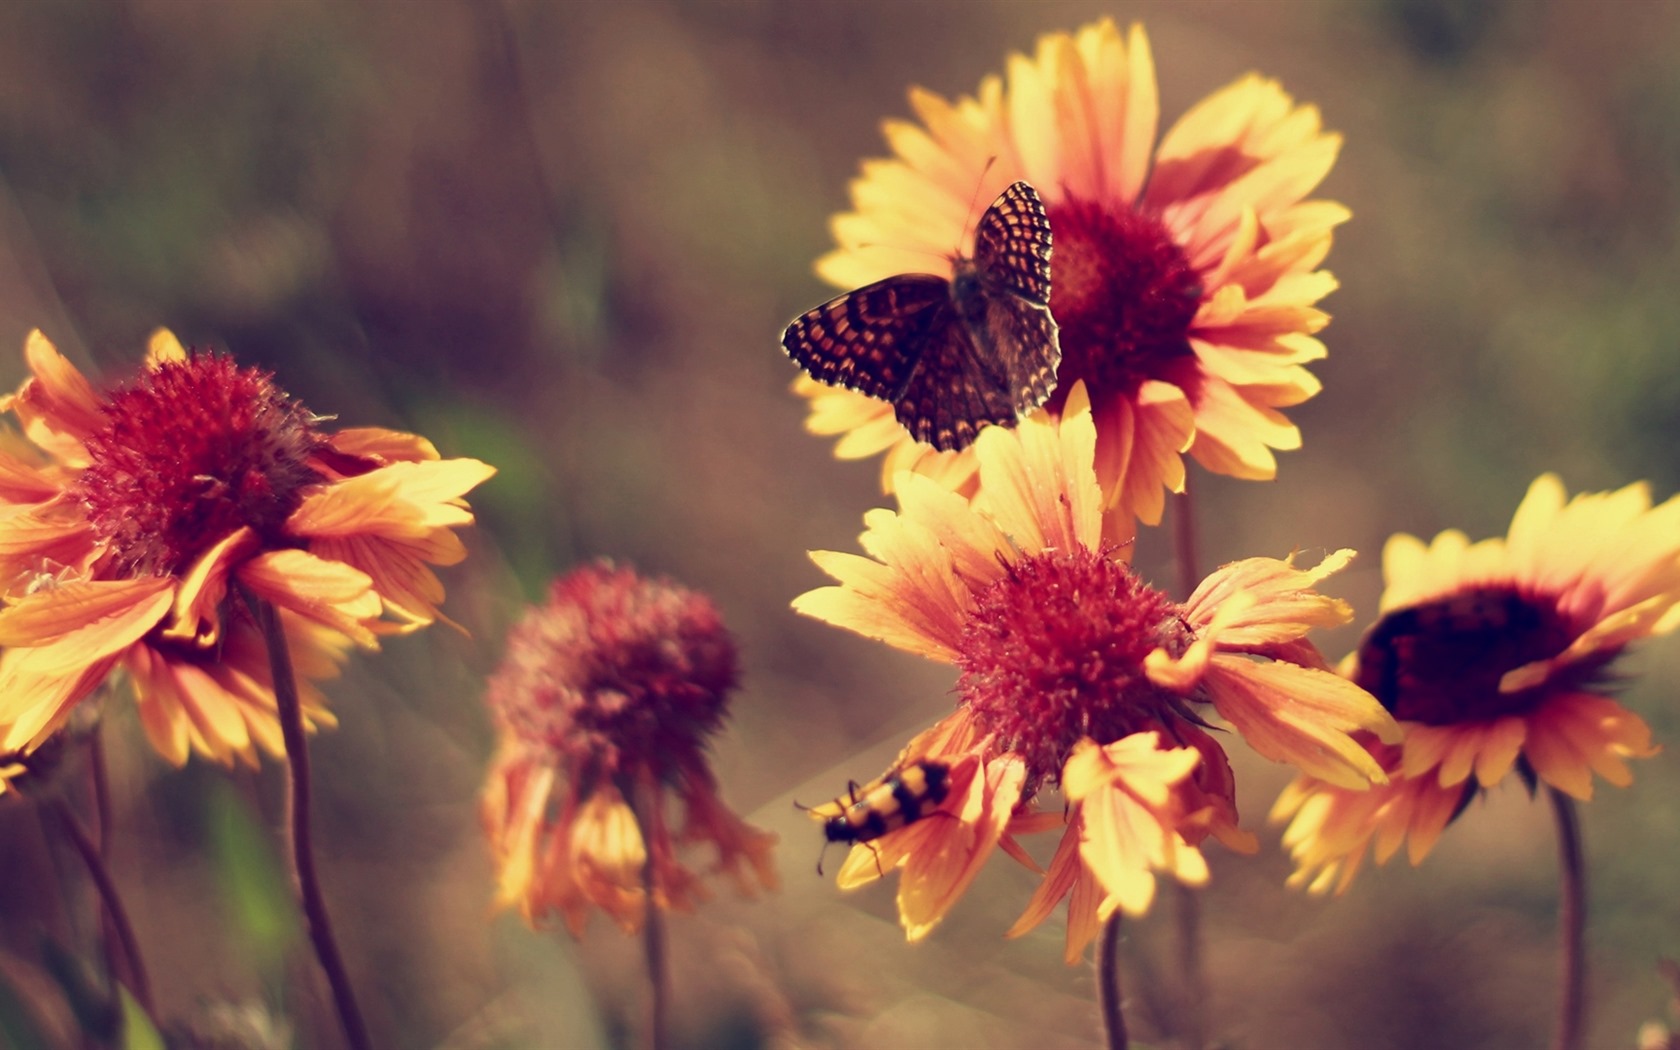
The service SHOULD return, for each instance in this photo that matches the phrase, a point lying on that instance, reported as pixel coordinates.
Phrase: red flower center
(1123, 295)
(1440, 663)
(192, 451)
(1054, 652)
(616, 674)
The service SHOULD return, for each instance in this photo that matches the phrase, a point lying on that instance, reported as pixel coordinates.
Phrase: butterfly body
(949, 354)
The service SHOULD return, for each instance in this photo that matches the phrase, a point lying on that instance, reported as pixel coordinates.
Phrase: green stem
(299, 839)
(1572, 920)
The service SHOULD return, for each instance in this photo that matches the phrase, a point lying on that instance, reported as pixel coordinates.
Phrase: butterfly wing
(1010, 313)
(871, 340)
(1012, 245)
(1022, 336)
(952, 393)
(949, 355)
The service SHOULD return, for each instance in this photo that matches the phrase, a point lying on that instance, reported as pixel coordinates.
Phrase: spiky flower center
(617, 675)
(1054, 652)
(190, 452)
(1123, 295)
(1441, 662)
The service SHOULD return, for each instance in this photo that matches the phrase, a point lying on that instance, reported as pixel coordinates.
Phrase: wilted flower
(604, 704)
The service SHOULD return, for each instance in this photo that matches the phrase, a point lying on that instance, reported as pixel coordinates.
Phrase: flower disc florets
(192, 451)
(1053, 652)
(1123, 295)
(616, 674)
(1442, 662)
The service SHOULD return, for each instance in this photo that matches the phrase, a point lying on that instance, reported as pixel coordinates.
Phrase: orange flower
(1495, 656)
(1075, 672)
(604, 702)
(135, 525)
(1184, 275)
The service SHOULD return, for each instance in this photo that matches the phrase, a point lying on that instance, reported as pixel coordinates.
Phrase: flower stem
(1187, 902)
(1108, 983)
(101, 791)
(109, 935)
(115, 915)
(299, 840)
(1184, 540)
(1193, 990)
(1572, 918)
(653, 920)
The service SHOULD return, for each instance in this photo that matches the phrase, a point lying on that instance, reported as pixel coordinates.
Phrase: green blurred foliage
(251, 876)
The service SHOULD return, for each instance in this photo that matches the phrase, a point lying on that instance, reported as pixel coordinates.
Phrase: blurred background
(564, 238)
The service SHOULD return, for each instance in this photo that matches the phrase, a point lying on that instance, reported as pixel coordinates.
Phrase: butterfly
(949, 355)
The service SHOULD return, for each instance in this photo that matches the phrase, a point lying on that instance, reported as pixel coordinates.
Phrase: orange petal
(1300, 716)
(934, 878)
(396, 501)
(330, 593)
(78, 623)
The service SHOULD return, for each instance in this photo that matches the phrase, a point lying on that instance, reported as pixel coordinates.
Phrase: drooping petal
(330, 593)
(1301, 716)
(935, 875)
(80, 623)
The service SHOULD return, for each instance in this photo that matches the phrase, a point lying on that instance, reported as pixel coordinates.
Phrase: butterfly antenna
(962, 237)
(973, 201)
(902, 248)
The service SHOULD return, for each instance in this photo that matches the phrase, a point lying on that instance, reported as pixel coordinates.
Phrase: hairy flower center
(1123, 295)
(617, 674)
(192, 451)
(1054, 652)
(1441, 662)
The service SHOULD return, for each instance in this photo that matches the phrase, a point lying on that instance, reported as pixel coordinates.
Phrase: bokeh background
(564, 238)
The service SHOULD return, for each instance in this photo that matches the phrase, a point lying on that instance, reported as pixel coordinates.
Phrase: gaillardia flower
(1183, 275)
(603, 705)
(1496, 657)
(1074, 672)
(137, 524)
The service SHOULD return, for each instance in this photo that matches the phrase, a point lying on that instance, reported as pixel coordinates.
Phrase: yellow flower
(1495, 657)
(1184, 274)
(1075, 672)
(604, 703)
(136, 524)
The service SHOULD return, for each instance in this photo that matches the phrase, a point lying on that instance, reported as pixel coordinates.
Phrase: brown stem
(644, 804)
(108, 933)
(1572, 920)
(101, 790)
(300, 844)
(1108, 983)
(1184, 540)
(1192, 990)
(138, 984)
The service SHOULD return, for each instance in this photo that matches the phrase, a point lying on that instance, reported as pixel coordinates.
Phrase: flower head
(136, 523)
(1495, 657)
(1184, 274)
(1075, 673)
(604, 704)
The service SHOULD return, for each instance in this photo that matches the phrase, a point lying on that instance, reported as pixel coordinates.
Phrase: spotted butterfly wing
(949, 355)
